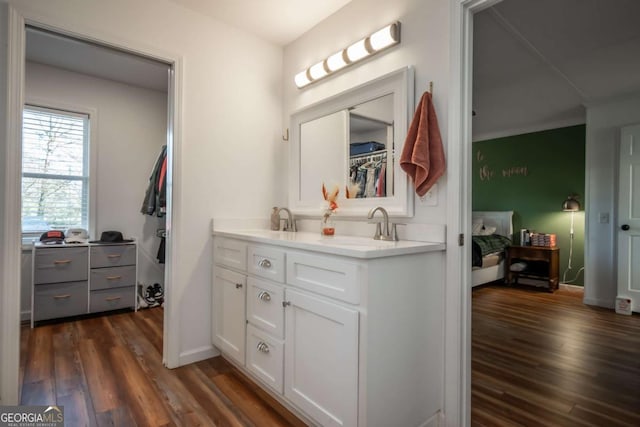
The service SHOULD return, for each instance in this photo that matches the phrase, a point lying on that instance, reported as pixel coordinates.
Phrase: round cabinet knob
(625, 227)
(265, 263)
(264, 296)
(263, 347)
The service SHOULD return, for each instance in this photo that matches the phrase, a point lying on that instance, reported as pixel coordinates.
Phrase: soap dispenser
(275, 219)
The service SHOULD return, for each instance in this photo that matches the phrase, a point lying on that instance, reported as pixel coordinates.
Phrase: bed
(492, 232)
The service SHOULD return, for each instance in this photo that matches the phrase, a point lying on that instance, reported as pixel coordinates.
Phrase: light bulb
(336, 61)
(383, 38)
(301, 79)
(357, 51)
(317, 71)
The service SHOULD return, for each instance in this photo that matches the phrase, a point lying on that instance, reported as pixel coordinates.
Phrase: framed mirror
(354, 140)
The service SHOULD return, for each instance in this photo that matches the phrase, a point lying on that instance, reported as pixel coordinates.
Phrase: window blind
(55, 170)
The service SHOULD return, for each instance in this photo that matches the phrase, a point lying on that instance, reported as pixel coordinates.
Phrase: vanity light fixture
(370, 45)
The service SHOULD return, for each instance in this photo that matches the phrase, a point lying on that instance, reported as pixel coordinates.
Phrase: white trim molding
(457, 342)
(10, 234)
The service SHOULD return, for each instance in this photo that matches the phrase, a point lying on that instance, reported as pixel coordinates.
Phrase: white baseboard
(436, 420)
(571, 287)
(599, 303)
(25, 315)
(197, 354)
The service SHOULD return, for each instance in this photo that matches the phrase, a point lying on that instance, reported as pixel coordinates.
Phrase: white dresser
(73, 279)
(339, 329)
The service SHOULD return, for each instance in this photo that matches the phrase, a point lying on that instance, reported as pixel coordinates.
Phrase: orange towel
(423, 155)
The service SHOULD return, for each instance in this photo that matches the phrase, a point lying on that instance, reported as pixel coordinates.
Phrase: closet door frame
(13, 25)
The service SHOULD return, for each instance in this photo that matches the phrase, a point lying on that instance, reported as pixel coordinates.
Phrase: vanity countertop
(351, 246)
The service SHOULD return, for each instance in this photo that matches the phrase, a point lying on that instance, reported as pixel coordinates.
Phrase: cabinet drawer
(231, 253)
(60, 300)
(331, 276)
(113, 277)
(267, 262)
(112, 255)
(54, 265)
(112, 299)
(264, 306)
(265, 358)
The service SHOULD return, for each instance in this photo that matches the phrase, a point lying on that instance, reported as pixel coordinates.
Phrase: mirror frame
(400, 83)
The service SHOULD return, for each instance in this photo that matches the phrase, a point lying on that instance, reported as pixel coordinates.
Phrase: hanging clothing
(155, 198)
(161, 250)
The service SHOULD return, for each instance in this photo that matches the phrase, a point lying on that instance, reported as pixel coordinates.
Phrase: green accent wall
(532, 174)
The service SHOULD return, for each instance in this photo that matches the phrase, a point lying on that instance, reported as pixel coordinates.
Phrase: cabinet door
(321, 358)
(228, 318)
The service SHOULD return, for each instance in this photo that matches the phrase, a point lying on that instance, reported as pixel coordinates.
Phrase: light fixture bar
(370, 45)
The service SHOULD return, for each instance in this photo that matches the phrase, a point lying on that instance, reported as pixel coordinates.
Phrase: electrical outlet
(603, 218)
(431, 198)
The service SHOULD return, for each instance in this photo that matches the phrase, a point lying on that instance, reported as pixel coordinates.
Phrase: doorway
(17, 39)
(586, 93)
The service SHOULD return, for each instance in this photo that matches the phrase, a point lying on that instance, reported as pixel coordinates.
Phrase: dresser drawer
(112, 299)
(60, 300)
(266, 261)
(113, 277)
(54, 265)
(330, 276)
(264, 306)
(230, 253)
(112, 255)
(265, 358)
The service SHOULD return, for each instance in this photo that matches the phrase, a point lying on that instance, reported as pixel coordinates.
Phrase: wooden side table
(543, 263)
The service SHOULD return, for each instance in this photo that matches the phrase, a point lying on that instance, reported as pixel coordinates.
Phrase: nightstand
(543, 265)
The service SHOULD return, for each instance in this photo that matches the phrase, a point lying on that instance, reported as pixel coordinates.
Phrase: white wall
(604, 121)
(231, 115)
(424, 44)
(131, 124)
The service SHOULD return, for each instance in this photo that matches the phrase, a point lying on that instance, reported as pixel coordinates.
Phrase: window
(55, 170)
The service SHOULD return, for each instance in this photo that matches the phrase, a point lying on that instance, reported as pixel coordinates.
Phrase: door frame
(457, 328)
(10, 208)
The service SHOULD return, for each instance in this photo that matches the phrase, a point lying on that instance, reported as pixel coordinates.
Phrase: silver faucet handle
(378, 234)
(394, 231)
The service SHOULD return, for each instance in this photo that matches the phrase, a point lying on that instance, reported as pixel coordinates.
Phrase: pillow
(478, 225)
(486, 231)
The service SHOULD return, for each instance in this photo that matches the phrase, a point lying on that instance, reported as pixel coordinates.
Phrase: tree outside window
(55, 172)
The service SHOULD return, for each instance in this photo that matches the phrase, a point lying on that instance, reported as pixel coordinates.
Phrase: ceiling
(94, 60)
(536, 63)
(278, 21)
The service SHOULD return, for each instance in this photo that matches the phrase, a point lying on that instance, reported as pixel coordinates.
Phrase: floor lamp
(572, 205)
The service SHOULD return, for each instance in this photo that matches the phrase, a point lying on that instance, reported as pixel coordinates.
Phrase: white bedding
(503, 222)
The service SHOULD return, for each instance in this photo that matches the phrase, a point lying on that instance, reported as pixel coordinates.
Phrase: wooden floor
(538, 359)
(543, 359)
(107, 371)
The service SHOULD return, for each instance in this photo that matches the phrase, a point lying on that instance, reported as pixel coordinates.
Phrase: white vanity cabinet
(342, 340)
(321, 358)
(229, 314)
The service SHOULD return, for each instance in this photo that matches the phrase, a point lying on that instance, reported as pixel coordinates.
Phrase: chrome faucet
(289, 222)
(383, 233)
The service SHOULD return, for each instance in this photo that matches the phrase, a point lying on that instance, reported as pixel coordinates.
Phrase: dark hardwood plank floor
(107, 371)
(541, 359)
